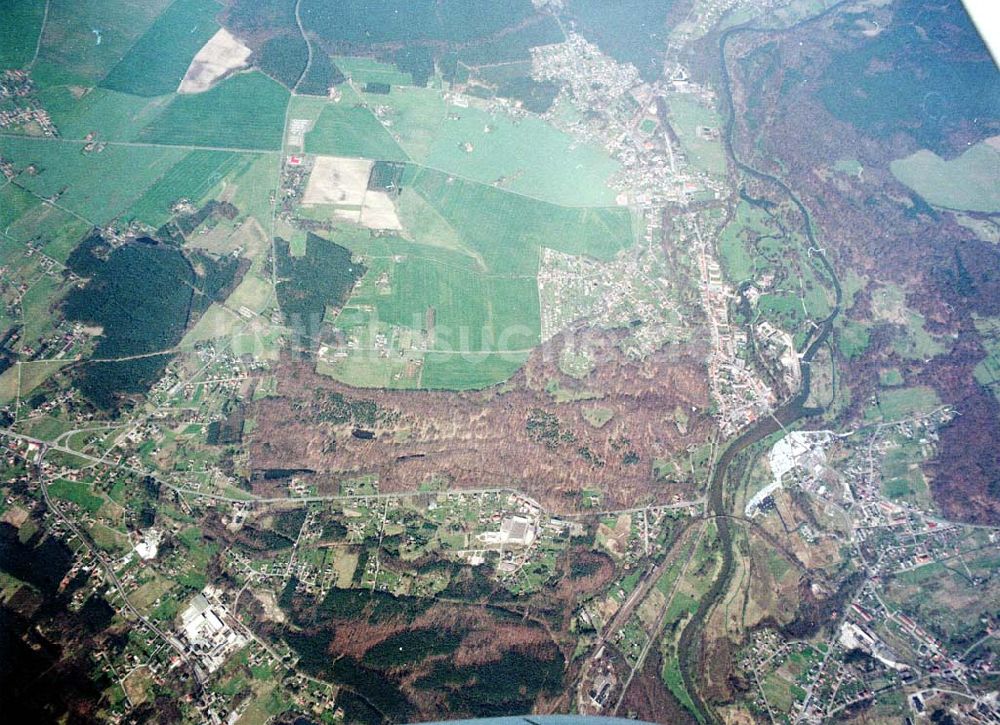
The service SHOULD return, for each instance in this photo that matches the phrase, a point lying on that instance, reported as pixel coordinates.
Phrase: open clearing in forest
(968, 181)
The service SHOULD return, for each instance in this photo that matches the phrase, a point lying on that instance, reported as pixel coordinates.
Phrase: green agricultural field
(901, 475)
(754, 244)
(784, 310)
(778, 692)
(416, 115)
(369, 70)
(967, 182)
(900, 403)
(750, 223)
(364, 371)
(191, 178)
(58, 231)
(251, 184)
(96, 186)
(687, 114)
(674, 681)
(253, 293)
(498, 74)
(38, 308)
(527, 156)
(890, 378)
(15, 202)
(246, 111)
(507, 230)
(987, 372)
(111, 115)
(469, 272)
(424, 223)
(82, 41)
(217, 322)
(76, 492)
(22, 22)
(472, 312)
(157, 61)
(10, 384)
(345, 128)
(852, 339)
(26, 376)
(454, 372)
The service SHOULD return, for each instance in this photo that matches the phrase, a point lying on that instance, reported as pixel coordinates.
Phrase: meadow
(190, 178)
(157, 61)
(987, 372)
(899, 403)
(22, 22)
(81, 42)
(526, 156)
(246, 111)
(249, 186)
(97, 186)
(76, 492)
(853, 338)
(346, 129)
(474, 268)
(754, 244)
(686, 115)
(507, 230)
(749, 224)
(57, 231)
(15, 202)
(369, 70)
(26, 376)
(111, 115)
(901, 475)
(968, 181)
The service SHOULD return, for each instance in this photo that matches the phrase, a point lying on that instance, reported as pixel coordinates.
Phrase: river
(788, 413)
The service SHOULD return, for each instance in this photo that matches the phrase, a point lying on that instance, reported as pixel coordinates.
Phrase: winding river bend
(789, 412)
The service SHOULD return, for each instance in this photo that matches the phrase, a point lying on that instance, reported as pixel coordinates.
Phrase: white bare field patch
(343, 183)
(336, 180)
(348, 215)
(378, 212)
(297, 129)
(221, 55)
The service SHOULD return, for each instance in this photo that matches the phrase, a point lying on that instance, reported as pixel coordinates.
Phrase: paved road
(105, 563)
(251, 499)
